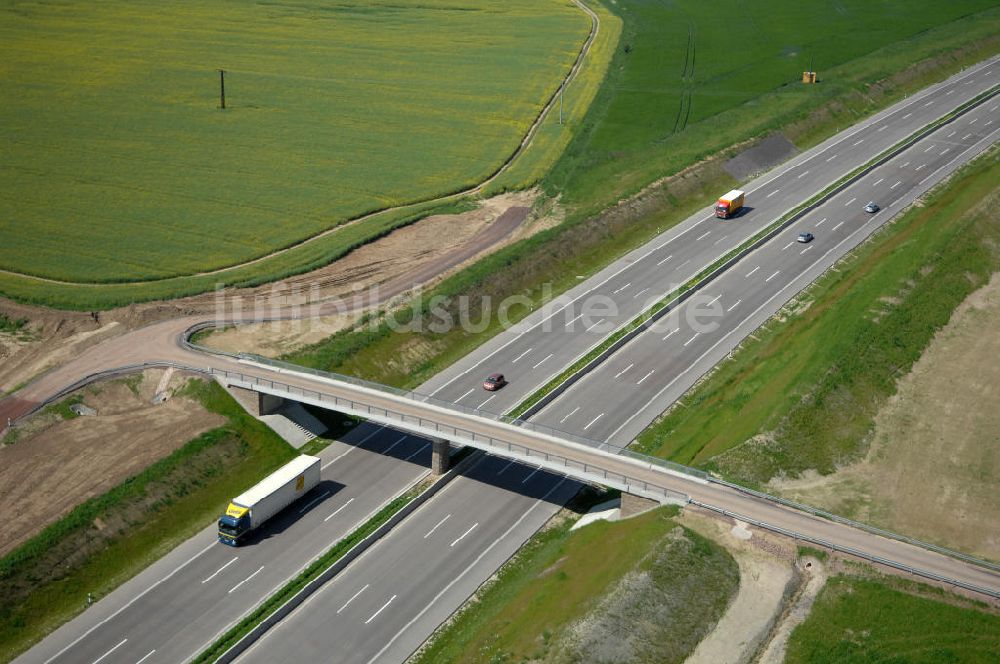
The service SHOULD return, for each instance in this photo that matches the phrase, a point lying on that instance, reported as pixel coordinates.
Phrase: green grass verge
(114, 144)
(818, 554)
(314, 570)
(862, 620)
(108, 539)
(540, 267)
(645, 589)
(803, 393)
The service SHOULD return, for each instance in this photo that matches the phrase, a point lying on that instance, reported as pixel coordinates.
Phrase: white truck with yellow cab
(247, 511)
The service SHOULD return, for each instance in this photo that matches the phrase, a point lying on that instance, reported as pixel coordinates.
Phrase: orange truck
(730, 204)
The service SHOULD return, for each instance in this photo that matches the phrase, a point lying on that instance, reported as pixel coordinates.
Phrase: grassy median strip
(645, 589)
(709, 272)
(108, 539)
(309, 574)
(801, 394)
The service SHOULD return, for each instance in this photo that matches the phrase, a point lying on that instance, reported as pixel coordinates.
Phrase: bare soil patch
(933, 469)
(814, 578)
(767, 579)
(56, 464)
(422, 249)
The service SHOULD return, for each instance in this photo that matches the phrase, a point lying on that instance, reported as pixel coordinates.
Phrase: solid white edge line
(874, 120)
(129, 603)
(733, 331)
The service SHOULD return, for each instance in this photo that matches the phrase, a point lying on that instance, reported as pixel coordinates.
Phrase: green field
(119, 166)
(695, 77)
(862, 620)
(810, 386)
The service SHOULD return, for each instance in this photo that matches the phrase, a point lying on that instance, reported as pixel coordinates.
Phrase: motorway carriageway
(130, 630)
(414, 596)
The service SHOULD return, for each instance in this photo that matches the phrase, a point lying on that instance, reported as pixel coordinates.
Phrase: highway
(179, 605)
(390, 601)
(651, 372)
(530, 353)
(511, 352)
(621, 396)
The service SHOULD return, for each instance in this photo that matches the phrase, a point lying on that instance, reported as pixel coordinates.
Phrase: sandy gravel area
(56, 464)
(933, 468)
(766, 580)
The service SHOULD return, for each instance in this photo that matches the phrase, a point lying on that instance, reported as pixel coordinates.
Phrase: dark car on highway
(805, 237)
(872, 207)
(494, 382)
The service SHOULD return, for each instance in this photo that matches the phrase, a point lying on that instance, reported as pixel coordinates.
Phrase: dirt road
(323, 292)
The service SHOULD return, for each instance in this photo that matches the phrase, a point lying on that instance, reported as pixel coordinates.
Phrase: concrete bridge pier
(440, 455)
(256, 403)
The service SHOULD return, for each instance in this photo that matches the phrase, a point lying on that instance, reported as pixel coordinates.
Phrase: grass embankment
(862, 620)
(802, 394)
(550, 262)
(375, 112)
(109, 538)
(641, 590)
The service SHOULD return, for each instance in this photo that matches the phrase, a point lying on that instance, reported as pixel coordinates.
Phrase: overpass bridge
(446, 423)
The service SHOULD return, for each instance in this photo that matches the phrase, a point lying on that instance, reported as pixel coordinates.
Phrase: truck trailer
(729, 205)
(247, 511)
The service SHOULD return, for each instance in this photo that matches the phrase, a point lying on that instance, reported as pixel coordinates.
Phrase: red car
(494, 382)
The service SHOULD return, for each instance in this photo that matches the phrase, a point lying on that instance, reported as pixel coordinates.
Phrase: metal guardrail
(857, 524)
(850, 551)
(434, 428)
(624, 451)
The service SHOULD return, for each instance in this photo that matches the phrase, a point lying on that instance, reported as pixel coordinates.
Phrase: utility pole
(561, 91)
(222, 89)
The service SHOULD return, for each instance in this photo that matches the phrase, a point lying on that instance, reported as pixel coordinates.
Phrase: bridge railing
(433, 427)
(451, 405)
(616, 449)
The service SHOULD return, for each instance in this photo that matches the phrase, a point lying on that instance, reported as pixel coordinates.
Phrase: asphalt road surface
(529, 357)
(401, 589)
(532, 352)
(622, 395)
(178, 606)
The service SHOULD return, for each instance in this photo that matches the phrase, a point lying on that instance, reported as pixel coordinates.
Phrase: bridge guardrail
(547, 460)
(668, 465)
(849, 550)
